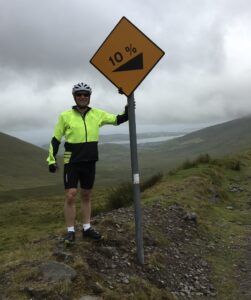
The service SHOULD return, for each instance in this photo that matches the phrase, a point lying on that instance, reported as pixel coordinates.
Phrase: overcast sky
(46, 46)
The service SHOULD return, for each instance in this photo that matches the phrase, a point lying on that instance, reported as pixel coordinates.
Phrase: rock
(191, 217)
(54, 271)
(125, 280)
(36, 293)
(215, 198)
(197, 284)
(204, 264)
(213, 294)
(235, 189)
(174, 207)
(97, 288)
(230, 207)
(63, 255)
(108, 251)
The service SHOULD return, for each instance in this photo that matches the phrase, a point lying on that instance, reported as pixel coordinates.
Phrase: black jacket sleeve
(55, 145)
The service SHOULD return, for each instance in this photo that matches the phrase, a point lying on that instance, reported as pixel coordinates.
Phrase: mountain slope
(221, 139)
(23, 165)
(217, 140)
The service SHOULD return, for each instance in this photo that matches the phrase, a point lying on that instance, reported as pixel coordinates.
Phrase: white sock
(71, 229)
(86, 226)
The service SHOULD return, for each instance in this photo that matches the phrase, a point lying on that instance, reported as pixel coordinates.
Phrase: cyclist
(80, 127)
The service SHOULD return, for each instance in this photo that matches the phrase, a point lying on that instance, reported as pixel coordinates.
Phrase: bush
(151, 181)
(122, 195)
(232, 164)
(187, 164)
(203, 159)
(236, 165)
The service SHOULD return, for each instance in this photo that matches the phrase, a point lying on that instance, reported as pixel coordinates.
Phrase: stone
(125, 280)
(36, 293)
(191, 216)
(108, 251)
(62, 255)
(55, 271)
(204, 263)
(230, 207)
(97, 288)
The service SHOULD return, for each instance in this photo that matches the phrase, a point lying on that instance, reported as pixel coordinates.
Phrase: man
(80, 127)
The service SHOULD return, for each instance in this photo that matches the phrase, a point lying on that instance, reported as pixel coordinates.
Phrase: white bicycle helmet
(81, 87)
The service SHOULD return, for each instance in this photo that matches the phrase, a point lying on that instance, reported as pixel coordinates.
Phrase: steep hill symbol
(136, 63)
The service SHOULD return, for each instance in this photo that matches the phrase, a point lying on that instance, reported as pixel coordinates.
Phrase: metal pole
(135, 178)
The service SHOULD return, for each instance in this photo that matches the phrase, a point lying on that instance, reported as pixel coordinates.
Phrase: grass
(122, 195)
(203, 187)
(30, 218)
(140, 289)
(33, 217)
(192, 186)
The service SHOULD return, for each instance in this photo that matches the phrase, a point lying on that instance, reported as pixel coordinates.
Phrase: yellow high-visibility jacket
(81, 133)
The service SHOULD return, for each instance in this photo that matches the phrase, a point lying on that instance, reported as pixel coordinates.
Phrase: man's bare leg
(70, 207)
(86, 205)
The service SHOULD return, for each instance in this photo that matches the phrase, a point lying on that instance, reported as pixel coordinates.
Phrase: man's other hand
(53, 168)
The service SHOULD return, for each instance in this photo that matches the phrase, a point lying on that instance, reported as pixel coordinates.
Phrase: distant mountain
(221, 139)
(218, 140)
(23, 165)
(122, 137)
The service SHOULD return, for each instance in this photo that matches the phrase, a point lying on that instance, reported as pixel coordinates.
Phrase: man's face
(82, 99)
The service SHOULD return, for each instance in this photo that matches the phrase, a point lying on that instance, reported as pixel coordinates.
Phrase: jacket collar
(75, 107)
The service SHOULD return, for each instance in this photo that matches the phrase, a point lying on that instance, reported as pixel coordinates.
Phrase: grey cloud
(47, 35)
(46, 47)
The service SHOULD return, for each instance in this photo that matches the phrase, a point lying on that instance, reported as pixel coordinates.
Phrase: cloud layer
(46, 47)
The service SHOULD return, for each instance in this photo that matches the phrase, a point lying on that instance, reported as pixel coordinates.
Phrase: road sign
(126, 56)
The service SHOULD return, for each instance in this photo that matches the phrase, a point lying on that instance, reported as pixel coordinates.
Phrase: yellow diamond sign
(126, 56)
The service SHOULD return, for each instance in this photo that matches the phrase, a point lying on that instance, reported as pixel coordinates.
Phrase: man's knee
(71, 196)
(86, 194)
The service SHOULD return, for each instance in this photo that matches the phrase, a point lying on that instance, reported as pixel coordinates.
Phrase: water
(147, 140)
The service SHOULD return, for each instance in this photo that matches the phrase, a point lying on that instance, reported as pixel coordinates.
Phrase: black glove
(53, 168)
(120, 90)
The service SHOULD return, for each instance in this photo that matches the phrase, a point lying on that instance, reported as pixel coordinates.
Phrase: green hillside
(217, 140)
(224, 138)
(23, 165)
(196, 231)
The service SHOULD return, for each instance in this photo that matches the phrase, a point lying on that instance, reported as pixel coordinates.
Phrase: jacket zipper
(83, 117)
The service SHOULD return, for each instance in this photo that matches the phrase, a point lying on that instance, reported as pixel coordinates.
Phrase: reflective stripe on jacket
(81, 134)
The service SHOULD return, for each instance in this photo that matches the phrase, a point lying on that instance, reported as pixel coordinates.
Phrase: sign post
(135, 179)
(125, 58)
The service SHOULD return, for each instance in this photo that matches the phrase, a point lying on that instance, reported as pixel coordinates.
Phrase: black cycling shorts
(83, 172)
